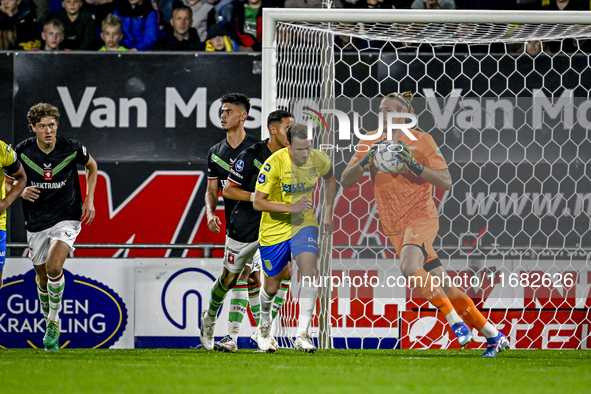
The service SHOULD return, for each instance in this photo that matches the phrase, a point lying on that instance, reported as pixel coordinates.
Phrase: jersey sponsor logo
(94, 317)
(295, 189)
(239, 165)
(47, 185)
(262, 179)
(414, 235)
(267, 167)
(84, 152)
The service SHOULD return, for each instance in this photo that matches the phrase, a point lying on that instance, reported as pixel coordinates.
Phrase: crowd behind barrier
(210, 25)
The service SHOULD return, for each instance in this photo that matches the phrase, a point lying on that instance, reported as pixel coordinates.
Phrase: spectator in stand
(218, 40)
(78, 26)
(246, 23)
(52, 35)
(140, 24)
(182, 37)
(41, 10)
(7, 35)
(21, 16)
(205, 15)
(100, 9)
(434, 4)
(112, 34)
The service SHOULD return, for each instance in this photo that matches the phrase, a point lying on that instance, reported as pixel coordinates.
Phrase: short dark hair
(297, 130)
(179, 5)
(40, 111)
(236, 99)
(277, 116)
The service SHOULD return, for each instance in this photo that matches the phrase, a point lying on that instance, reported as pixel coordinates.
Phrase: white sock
(266, 304)
(489, 331)
(308, 297)
(453, 318)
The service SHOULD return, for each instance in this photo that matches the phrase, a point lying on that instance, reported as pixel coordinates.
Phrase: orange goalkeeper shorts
(420, 233)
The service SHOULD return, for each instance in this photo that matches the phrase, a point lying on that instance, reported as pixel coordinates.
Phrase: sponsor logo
(92, 316)
(262, 179)
(267, 167)
(297, 188)
(239, 165)
(177, 290)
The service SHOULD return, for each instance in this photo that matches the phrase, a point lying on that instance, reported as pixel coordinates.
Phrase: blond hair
(112, 21)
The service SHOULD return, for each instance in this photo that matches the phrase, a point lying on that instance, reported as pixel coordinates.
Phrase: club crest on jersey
(262, 179)
(239, 166)
(312, 171)
(47, 173)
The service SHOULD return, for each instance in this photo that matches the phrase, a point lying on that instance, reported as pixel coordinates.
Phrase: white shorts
(241, 254)
(39, 242)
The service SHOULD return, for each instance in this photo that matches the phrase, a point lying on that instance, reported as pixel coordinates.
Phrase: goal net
(506, 97)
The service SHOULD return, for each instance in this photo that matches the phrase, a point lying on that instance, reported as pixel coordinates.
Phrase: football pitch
(358, 371)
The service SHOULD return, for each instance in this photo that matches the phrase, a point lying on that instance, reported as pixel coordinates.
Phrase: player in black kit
(53, 207)
(243, 227)
(221, 158)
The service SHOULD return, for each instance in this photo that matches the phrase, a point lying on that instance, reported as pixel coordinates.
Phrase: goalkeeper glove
(405, 156)
(368, 159)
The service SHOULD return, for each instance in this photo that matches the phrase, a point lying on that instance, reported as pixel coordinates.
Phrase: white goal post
(513, 127)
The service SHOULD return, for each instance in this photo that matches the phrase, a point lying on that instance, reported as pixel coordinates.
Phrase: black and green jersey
(245, 221)
(220, 160)
(56, 177)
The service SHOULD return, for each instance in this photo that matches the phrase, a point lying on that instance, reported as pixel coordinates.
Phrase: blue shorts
(276, 257)
(2, 249)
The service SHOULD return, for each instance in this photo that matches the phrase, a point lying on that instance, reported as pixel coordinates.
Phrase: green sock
(44, 301)
(218, 293)
(280, 297)
(254, 302)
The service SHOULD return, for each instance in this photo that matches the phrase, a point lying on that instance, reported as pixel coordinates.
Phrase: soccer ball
(385, 159)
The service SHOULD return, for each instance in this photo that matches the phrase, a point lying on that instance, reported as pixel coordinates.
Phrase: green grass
(346, 371)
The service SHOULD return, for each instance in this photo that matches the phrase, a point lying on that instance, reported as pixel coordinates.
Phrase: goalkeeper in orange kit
(409, 218)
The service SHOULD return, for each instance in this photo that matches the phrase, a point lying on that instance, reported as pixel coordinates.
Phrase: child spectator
(78, 26)
(246, 23)
(7, 35)
(112, 33)
(20, 15)
(52, 35)
(140, 24)
(182, 37)
(218, 40)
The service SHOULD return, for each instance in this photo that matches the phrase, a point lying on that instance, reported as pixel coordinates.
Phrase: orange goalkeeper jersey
(404, 197)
